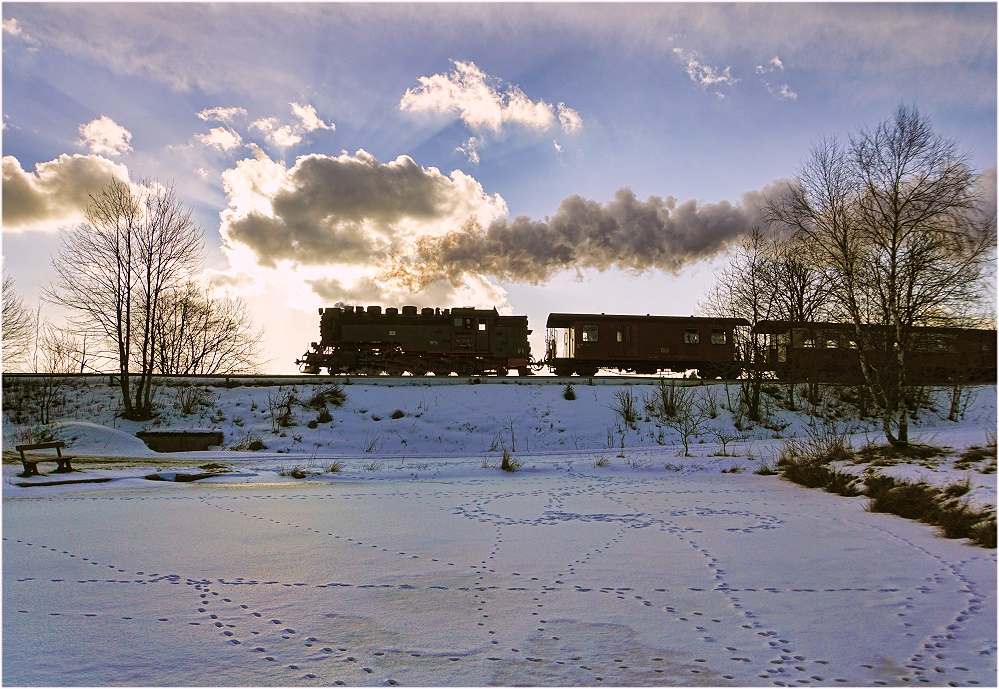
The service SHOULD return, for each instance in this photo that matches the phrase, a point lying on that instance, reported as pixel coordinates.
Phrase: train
(357, 340)
(466, 341)
(830, 353)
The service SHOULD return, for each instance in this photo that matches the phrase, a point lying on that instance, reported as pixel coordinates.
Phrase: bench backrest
(42, 446)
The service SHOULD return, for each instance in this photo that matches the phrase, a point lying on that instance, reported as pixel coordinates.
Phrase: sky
(538, 158)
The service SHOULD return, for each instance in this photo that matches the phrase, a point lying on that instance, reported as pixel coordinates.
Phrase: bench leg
(64, 467)
(30, 469)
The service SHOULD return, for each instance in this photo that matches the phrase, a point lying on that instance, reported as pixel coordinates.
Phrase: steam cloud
(626, 233)
(413, 230)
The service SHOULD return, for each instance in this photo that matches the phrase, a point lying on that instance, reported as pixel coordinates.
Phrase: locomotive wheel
(587, 371)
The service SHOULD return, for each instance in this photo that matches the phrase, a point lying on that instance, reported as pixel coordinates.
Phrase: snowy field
(606, 560)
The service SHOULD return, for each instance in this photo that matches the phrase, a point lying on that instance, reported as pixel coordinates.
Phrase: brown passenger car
(829, 353)
(584, 343)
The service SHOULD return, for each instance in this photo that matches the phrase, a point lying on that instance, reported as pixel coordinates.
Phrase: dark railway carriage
(584, 343)
(464, 341)
(828, 353)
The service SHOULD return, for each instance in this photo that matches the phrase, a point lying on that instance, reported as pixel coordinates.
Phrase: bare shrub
(248, 441)
(983, 533)
(764, 469)
(932, 505)
(975, 455)
(280, 404)
(678, 408)
(325, 395)
(625, 407)
(510, 464)
(371, 444)
(725, 436)
(190, 400)
(667, 398)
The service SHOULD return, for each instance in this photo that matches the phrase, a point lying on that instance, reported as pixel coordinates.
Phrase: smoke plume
(626, 234)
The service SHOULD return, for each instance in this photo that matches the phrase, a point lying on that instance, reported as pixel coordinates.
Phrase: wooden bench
(30, 462)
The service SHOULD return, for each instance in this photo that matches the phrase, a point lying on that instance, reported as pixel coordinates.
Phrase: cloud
(485, 105)
(780, 90)
(480, 101)
(221, 114)
(626, 233)
(702, 74)
(345, 210)
(57, 193)
(775, 64)
(310, 120)
(104, 136)
(278, 135)
(470, 150)
(864, 44)
(221, 139)
(13, 28)
(570, 120)
(281, 136)
(785, 91)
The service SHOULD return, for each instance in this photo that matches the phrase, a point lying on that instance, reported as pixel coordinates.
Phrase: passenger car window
(691, 336)
(591, 333)
(718, 336)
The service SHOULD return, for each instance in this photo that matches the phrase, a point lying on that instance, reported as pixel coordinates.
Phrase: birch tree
(18, 326)
(894, 217)
(199, 332)
(112, 271)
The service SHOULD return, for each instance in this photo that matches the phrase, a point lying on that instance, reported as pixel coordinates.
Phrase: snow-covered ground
(607, 559)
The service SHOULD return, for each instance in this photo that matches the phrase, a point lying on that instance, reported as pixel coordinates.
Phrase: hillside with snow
(365, 534)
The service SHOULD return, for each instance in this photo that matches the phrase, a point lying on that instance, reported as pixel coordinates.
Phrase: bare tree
(690, 418)
(198, 332)
(769, 278)
(746, 288)
(112, 272)
(62, 350)
(894, 218)
(18, 325)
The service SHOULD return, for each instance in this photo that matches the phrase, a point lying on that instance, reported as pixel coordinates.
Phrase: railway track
(429, 381)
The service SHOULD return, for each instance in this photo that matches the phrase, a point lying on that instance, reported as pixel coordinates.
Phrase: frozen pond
(546, 577)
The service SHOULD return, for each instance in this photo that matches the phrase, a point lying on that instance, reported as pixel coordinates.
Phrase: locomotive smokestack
(626, 233)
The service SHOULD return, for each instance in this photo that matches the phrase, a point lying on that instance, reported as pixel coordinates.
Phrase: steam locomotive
(464, 341)
(467, 341)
